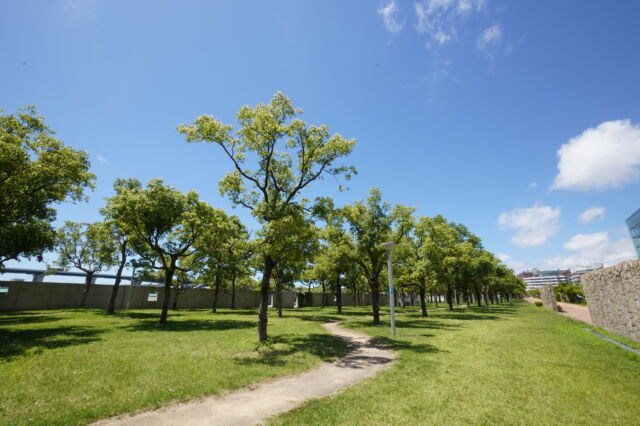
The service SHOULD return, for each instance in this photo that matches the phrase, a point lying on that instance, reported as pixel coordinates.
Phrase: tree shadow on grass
(26, 319)
(324, 346)
(425, 323)
(229, 311)
(14, 343)
(190, 325)
(403, 345)
(467, 317)
(319, 318)
(138, 315)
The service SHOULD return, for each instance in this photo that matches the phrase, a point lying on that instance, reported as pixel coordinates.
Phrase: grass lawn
(71, 367)
(522, 365)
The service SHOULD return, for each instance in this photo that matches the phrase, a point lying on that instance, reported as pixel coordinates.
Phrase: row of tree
(275, 157)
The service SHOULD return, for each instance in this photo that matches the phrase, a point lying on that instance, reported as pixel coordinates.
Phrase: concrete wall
(613, 295)
(548, 296)
(23, 296)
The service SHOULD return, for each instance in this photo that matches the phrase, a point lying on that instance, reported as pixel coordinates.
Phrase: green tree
(166, 223)
(87, 246)
(294, 241)
(122, 237)
(287, 156)
(220, 255)
(36, 171)
(372, 223)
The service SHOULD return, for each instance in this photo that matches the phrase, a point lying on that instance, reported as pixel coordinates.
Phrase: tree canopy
(36, 171)
(275, 156)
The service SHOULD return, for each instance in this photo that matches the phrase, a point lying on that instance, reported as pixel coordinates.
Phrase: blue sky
(513, 118)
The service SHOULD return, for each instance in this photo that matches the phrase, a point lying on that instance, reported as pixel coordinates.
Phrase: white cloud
(533, 225)
(101, 159)
(607, 156)
(582, 242)
(439, 19)
(490, 36)
(533, 185)
(589, 249)
(511, 263)
(591, 214)
(389, 17)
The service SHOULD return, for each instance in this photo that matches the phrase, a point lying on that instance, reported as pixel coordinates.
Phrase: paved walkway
(249, 406)
(577, 312)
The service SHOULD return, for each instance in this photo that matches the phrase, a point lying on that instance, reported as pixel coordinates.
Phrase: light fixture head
(388, 246)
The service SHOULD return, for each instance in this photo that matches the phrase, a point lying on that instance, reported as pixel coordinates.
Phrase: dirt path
(250, 406)
(577, 312)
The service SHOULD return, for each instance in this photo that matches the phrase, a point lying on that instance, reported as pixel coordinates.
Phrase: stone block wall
(613, 295)
(548, 296)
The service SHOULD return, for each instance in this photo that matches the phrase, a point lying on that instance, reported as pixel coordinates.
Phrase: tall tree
(372, 223)
(287, 156)
(36, 171)
(122, 237)
(167, 224)
(88, 247)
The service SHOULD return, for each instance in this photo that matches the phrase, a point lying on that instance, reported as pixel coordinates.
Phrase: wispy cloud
(607, 156)
(490, 43)
(389, 14)
(591, 214)
(533, 185)
(534, 226)
(490, 36)
(440, 20)
(102, 159)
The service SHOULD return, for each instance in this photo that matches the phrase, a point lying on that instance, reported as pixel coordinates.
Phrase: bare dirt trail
(577, 312)
(254, 405)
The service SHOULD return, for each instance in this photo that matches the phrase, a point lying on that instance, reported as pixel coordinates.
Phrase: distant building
(536, 278)
(633, 224)
(575, 276)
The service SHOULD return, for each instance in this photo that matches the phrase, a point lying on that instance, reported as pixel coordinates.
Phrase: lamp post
(389, 246)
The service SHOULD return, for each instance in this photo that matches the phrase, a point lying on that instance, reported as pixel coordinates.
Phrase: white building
(546, 277)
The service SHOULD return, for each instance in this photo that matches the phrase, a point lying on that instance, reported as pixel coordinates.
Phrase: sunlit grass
(73, 367)
(522, 365)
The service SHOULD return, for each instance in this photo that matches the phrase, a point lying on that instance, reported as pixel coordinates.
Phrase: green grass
(522, 365)
(73, 367)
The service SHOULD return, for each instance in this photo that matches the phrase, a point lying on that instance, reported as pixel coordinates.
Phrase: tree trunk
(175, 299)
(324, 297)
(216, 291)
(437, 297)
(486, 301)
(85, 291)
(339, 294)
(264, 298)
(423, 302)
(449, 297)
(467, 298)
(478, 296)
(114, 293)
(375, 299)
(233, 292)
(354, 293)
(279, 286)
(168, 281)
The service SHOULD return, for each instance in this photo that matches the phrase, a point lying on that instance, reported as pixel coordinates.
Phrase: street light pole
(392, 300)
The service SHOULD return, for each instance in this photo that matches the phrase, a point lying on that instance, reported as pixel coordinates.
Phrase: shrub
(538, 303)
